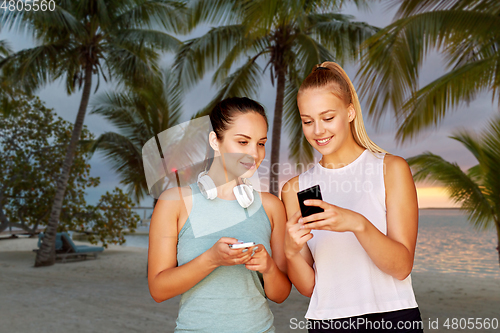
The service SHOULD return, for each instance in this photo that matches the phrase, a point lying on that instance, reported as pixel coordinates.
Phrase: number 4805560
(28, 5)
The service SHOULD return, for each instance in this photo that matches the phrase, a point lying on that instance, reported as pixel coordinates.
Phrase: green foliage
(118, 38)
(32, 143)
(139, 114)
(109, 219)
(467, 33)
(112, 39)
(478, 189)
(5, 49)
(286, 36)
(5, 90)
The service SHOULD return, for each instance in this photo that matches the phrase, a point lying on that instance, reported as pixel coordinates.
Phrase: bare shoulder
(271, 203)
(273, 207)
(174, 199)
(397, 174)
(395, 161)
(396, 167)
(270, 200)
(290, 188)
(172, 208)
(291, 184)
(173, 193)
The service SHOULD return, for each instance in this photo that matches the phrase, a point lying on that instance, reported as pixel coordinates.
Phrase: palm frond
(491, 161)
(5, 49)
(132, 62)
(264, 15)
(341, 35)
(471, 143)
(461, 188)
(125, 158)
(154, 39)
(235, 55)
(412, 7)
(174, 97)
(43, 24)
(172, 15)
(429, 105)
(220, 12)
(245, 81)
(117, 107)
(389, 70)
(199, 55)
(34, 67)
(309, 52)
(139, 114)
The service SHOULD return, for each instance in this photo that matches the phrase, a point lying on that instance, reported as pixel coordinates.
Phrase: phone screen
(313, 192)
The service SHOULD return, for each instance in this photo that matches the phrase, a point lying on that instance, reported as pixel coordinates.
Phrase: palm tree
(466, 32)
(5, 49)
(477, 189)
(289, 37)
(139, 114)
(5, 90)
(80, 39)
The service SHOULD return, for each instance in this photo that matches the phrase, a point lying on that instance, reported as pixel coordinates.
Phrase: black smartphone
(313, 192)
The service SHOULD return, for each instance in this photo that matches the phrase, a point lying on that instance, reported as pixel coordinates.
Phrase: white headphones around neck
(242, 192)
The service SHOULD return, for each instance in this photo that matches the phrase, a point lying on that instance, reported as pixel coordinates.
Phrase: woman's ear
(351, 112)
(214, 142)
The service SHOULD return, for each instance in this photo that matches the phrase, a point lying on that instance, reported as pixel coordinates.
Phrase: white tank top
(347, 282)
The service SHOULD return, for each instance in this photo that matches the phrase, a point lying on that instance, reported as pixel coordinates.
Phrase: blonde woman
(353, 259)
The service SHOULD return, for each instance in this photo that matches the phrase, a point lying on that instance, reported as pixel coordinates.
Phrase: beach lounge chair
(59, 243)
(66, 250)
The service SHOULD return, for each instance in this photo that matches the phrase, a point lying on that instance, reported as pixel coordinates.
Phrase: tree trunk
(276, 144)
(3, 226)
(47, 253)
(4, 222)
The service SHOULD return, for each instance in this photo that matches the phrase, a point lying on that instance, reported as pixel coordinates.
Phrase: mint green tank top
(230, 298)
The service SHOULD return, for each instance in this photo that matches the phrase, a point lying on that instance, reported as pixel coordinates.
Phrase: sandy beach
(110, 294)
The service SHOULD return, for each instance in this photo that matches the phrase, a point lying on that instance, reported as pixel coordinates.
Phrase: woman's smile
(249, 165)
(323, 141)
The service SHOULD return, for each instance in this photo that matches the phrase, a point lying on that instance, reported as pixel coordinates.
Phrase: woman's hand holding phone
(221, 254)
(295, 236)
(333, 218)
(260, 261)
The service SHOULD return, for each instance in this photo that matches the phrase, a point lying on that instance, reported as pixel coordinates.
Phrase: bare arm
(276, 283)
(402, 223)
(392, 253)
(298, 256)
(165, 278)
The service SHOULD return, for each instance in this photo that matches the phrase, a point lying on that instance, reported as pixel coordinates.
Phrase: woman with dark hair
(353, 259)
(193, 228)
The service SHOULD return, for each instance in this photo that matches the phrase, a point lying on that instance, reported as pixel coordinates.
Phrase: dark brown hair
(222, 115)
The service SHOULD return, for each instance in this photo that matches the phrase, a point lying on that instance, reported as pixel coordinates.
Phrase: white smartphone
(241, 245)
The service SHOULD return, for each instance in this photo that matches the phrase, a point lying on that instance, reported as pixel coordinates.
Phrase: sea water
(446, 243)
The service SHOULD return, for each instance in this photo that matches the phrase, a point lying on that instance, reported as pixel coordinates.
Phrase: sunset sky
(472, 117)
